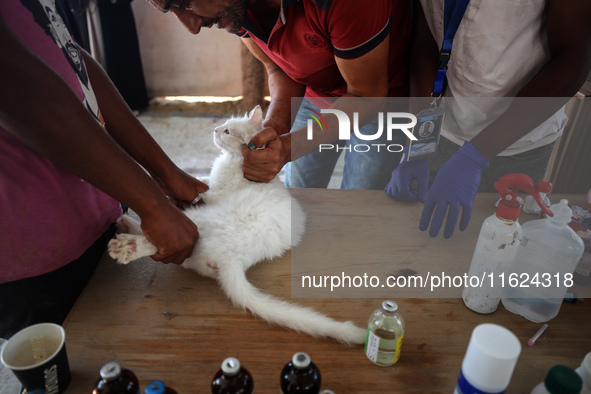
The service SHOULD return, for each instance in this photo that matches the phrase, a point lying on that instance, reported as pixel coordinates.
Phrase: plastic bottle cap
(301, 360)
(231, 366)
(563, 380)
(562, 212)
(490, 358)
(155, 387)
(389, 306)
(110, 371)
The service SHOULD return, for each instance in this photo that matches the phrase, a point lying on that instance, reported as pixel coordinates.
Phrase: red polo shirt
(310, 33)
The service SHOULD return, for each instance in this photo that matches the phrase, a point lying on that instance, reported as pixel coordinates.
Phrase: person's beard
(235, 14)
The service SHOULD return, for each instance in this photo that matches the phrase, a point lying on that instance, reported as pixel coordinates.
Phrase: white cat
(242, 223)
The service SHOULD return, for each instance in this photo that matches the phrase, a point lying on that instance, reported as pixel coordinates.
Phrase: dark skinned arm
(66, 133)
(366, 76)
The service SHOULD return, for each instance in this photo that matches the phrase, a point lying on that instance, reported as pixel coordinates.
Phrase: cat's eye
(227, 131)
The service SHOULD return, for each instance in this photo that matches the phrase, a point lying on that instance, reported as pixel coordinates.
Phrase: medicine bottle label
(382, 351)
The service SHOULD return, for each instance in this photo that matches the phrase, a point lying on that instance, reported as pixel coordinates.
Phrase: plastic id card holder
(427, 131)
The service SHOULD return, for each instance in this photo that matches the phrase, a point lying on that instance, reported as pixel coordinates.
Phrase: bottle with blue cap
(489, 361)
(158, 387)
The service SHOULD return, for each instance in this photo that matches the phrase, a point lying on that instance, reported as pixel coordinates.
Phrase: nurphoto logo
(395, 121)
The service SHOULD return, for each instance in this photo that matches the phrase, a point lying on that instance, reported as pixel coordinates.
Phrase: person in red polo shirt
(315, 49)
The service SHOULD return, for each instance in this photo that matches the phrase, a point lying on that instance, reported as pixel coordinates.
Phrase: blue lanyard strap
(453, 13)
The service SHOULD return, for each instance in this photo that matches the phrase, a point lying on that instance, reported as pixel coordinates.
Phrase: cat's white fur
(242, 223)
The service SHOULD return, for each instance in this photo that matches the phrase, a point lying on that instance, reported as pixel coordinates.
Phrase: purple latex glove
(455, 186)
(399, 185)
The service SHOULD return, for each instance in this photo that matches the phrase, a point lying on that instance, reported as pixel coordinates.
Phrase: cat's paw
(128, 247)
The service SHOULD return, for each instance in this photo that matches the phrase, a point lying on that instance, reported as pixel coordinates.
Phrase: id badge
(427, 130)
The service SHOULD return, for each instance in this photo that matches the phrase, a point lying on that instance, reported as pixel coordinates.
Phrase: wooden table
(167, 323)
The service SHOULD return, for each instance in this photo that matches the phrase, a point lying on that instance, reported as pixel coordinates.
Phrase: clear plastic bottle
(232, 378)
(385, 331)
(560, 380)
(498, 240)
(300, 376)
(584, 372)
(543, 268)
(116, 380)
(158, 387)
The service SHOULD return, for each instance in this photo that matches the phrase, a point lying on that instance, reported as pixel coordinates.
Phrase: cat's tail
(242, 293)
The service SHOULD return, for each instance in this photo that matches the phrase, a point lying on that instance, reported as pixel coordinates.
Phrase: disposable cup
(37, 357)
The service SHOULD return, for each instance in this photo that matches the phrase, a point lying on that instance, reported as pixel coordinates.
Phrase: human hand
(173, 234)
(181, 188)
(263, 164)
(403, 174)
(455, 186)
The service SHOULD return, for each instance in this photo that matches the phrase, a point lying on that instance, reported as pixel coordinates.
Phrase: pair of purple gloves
(454, 187)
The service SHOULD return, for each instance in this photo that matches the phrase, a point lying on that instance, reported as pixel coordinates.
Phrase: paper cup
(37, 357)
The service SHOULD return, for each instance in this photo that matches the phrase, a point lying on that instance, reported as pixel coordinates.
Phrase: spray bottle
(499, 238)
(544, 266)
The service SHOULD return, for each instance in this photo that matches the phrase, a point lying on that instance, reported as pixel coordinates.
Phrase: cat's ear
(256, 117)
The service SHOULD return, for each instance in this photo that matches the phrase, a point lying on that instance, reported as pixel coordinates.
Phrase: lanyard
(453, 13)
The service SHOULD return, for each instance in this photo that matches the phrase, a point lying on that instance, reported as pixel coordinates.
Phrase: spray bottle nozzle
(509, 185)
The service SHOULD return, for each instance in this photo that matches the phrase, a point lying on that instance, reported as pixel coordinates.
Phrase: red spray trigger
(508, 186)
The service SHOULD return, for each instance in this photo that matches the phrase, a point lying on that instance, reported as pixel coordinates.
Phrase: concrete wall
(178, 63)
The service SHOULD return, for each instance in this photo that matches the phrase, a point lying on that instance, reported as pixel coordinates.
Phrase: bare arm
(130, 134)
(366, 76)
(424, 58)
(281, 87)
(64, 131)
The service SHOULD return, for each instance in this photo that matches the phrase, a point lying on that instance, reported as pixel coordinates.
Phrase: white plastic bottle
(584, 372)
(543, 269)
(498, 240)
(489, 362)
(560, 380)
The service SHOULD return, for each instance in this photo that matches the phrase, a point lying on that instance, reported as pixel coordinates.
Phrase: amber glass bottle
(116, 380)
(232, 378)
(300, 376)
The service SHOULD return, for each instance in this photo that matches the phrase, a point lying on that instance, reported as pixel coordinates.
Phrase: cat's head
(236, 132)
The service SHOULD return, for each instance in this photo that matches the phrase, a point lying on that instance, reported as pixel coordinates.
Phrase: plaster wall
(178, 63)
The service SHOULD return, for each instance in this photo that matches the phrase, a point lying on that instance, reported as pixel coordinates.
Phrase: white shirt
(499, 46)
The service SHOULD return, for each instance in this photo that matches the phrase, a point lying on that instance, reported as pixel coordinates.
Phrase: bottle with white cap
(116, 380)
(300, 376)
(232, 378)
(489, 361)
(560, 380)
(385, 331)
(584, 372)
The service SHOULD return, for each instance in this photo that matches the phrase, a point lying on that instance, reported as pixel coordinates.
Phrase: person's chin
(224, 24)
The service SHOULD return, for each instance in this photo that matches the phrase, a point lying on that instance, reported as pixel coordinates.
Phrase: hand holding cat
(262, 165)
(181, 188)
(171, 232)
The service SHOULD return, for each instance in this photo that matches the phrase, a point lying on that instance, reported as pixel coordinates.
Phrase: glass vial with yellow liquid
(385, 331)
